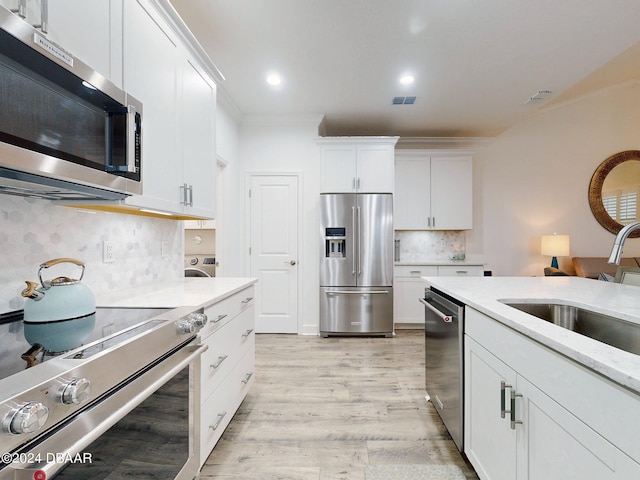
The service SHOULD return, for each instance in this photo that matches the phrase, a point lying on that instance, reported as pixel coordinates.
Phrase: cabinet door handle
(246, 300)
(220, 317)
(247, 333)
(219, 361)
(190, 190)
(434, 222)
(503, 399)
(44, 16)
(22, 9)
(218, 421)
(514, 422)
(358, 184)
(246, 379)
(353, 183)
(183, 191)
(429, 222)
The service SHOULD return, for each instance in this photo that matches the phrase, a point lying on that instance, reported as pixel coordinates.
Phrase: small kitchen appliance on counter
(59, 314)
(356, 264)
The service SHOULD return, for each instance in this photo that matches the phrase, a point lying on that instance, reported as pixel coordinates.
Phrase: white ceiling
(475, 61)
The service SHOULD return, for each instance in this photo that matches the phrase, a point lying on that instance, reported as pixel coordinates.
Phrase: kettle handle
(56, 261)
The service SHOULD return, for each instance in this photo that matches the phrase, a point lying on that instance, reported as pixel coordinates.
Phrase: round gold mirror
(614, 191)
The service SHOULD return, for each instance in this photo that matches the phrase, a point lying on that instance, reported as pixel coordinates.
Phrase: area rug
(413, 472)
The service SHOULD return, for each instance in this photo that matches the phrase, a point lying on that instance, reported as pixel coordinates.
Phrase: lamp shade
(555, 245)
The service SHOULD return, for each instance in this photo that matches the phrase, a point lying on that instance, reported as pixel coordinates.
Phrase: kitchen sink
(604, 328)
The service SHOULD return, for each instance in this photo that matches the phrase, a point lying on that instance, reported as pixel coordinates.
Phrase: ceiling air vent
(538, 96)
(403, 100)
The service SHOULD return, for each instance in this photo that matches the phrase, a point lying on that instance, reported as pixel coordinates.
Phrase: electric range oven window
(151, 442)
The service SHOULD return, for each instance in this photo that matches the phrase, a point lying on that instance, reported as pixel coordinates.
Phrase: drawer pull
(220, 317)
(247, 333)
(246, 379)
(218, 421)
(246, 300)
(461, 272)
(219, 361)
(415, 272)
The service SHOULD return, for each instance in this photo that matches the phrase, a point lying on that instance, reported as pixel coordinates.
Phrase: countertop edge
(197, 292)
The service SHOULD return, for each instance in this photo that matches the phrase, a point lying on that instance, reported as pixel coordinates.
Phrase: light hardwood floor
(325, 408)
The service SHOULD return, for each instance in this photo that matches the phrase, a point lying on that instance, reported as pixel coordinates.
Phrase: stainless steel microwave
(66, 132)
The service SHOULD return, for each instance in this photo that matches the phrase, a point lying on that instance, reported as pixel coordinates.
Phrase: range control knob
(199, 319)
(75, 392)
(186, 326)
(27, 418)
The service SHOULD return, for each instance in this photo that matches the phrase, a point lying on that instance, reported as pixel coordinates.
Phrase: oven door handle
(48, 468)
(443, 316)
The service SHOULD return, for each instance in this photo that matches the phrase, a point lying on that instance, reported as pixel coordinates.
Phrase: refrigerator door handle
(359, 242)
(353, 240)
(355, 292)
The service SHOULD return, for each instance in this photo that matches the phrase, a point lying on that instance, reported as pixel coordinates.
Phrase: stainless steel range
(123, 404)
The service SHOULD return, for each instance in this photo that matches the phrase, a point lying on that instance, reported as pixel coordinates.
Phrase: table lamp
(554, 246)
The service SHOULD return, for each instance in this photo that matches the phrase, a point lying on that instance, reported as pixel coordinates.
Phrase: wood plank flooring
(325, 408)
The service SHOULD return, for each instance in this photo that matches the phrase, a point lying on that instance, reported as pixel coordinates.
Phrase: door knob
(291, 262)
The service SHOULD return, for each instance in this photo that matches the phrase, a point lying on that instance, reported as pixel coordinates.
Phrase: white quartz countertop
(188, 291)
(621, 301)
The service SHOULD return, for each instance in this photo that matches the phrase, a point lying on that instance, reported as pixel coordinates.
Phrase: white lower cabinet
(515, 430)
(227, 367)
(409, 287)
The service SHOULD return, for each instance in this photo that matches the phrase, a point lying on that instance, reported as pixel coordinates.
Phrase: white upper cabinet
(151, 68)
(433, 190)
(178, 98)
(91, 31)
(198, 99)
(357, 164)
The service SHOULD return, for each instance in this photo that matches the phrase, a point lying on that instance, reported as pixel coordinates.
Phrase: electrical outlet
(164, 249)
(108, 252)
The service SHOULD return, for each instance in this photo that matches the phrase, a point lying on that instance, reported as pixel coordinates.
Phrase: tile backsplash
(429, 246)
(33, 231)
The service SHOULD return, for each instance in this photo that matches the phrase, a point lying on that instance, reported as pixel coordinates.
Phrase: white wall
(228, 205)
(533, 180)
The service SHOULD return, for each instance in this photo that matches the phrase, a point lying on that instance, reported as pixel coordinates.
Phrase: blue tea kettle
(59, 314)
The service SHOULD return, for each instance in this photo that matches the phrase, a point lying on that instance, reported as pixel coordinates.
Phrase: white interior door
(274, 251)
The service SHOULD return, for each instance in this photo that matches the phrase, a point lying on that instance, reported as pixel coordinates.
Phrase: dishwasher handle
(443, 316)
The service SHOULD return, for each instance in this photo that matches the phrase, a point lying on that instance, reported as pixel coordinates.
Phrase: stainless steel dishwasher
(443, 331)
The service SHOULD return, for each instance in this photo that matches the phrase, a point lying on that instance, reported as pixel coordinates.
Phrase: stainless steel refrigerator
(356, 264)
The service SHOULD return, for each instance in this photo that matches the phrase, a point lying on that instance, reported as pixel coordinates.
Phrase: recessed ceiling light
(407, 79)
(274, 79)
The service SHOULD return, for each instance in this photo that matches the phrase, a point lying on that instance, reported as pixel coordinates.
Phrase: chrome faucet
(616, 250)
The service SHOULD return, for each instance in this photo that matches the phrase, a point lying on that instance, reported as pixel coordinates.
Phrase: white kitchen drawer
(226, 347)
(415, 271)
(219, 409)
(215, 415)
(222, 312)
(460, 270)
